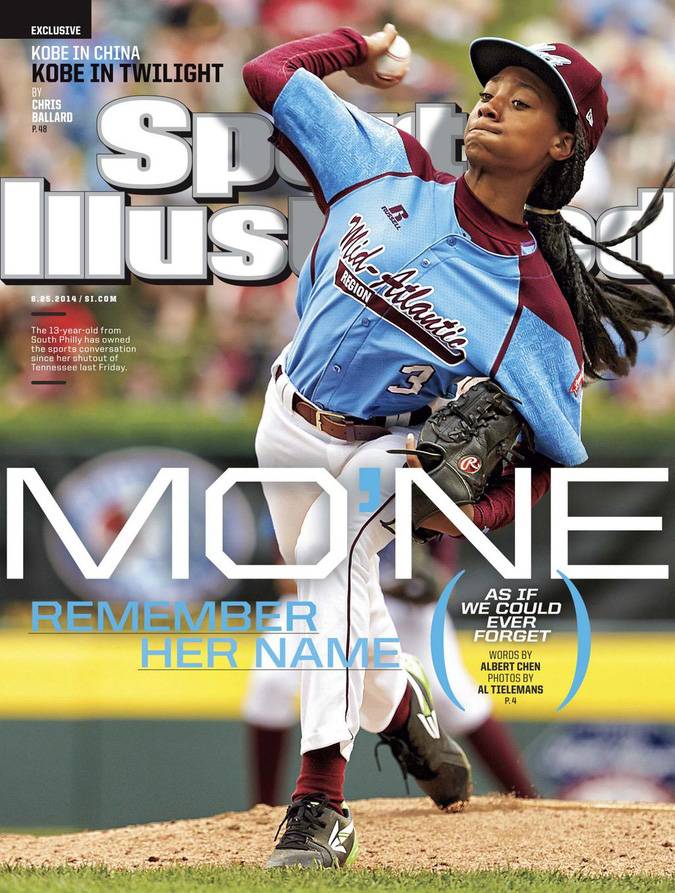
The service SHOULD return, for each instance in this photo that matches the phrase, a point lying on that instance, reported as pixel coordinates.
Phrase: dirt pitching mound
(492, 832)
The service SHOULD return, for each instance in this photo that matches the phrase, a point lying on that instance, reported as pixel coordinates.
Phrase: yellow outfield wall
(631, 677)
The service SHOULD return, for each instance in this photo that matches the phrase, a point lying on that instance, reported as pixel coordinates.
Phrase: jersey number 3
(417, 377)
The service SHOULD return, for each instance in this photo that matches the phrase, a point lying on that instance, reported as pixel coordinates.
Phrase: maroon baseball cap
(576, 83)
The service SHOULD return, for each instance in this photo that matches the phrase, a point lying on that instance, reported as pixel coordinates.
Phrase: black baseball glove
(464, 444)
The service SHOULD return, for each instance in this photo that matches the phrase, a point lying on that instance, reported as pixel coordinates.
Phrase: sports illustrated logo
(396, 214)
(546, 51)
(470, 464)
(575, 387)
(589, 116)
(398, 301)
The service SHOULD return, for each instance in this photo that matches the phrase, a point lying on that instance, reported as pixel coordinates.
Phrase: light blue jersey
(397, 303)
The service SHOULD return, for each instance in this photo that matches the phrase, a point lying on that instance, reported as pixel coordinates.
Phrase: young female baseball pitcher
(420, 281)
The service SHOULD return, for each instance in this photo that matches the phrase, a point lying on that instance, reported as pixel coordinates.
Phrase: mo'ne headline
(157, 146)
(176, 481)
(287, 634)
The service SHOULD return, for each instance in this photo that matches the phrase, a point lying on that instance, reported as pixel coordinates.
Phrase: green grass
(252, 880)
(107, 424)
(51, 831)
(94, 427)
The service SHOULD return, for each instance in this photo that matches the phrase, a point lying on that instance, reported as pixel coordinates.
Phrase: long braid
(598, 306)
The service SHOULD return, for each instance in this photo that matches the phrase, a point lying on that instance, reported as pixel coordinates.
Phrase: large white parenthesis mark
(215, 519)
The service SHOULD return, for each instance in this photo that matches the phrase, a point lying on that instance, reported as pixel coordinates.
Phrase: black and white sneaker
(316, 836)
(423, 750)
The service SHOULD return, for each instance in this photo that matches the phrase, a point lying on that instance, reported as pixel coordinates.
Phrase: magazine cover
(337, 388)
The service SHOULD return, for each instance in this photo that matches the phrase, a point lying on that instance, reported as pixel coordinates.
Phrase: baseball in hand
(396, 60)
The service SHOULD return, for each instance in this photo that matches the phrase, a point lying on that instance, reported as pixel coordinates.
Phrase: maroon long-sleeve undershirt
(322, 54)
(497, 507)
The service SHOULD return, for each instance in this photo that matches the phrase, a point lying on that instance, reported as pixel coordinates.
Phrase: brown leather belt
(346, 427)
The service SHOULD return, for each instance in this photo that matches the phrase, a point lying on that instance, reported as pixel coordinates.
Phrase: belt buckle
(324, 412)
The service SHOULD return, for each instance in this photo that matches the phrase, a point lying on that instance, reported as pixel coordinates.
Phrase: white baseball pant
(334, 704)
(270, 699)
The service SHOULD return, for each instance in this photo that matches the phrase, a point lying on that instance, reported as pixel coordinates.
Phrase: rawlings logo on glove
(464, 444)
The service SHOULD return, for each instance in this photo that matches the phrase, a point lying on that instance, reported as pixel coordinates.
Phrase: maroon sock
(268, 748)
(402, 712)
(322, 772)
(500, 754)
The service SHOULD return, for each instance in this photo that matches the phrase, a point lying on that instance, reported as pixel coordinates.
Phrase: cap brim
(489, 55)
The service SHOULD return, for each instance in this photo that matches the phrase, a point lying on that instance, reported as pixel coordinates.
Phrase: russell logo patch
(396, 214)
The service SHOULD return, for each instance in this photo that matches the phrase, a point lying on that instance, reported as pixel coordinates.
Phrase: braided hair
(598, 305)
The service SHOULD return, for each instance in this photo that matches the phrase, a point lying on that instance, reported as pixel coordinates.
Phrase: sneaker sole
(316, 864)
(459, 763)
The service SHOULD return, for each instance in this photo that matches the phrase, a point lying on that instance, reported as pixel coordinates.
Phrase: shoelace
(397, 756)
(301, 819)
(478, 416)
(405, 756)
(470, 423)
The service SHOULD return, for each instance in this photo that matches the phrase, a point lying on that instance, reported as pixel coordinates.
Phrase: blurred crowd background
(211, 346)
